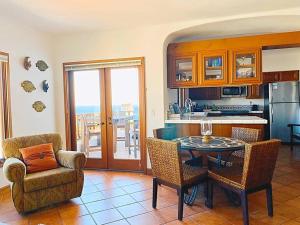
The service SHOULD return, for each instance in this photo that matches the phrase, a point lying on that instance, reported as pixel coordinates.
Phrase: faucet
(188, 105)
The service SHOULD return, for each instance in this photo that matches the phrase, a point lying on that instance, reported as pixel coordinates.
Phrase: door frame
(142, 102)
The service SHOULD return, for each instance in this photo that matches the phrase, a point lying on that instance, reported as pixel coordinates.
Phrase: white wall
(20, 41)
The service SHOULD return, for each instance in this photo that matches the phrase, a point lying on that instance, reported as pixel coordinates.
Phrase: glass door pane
(86, 86)
(124, 83)
(184, 70)
(245, 65)
(213, 68)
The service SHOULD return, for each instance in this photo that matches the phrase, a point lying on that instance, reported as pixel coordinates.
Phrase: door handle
(109, 120)
(102, 123)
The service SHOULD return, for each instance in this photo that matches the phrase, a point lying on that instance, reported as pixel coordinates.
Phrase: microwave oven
(231, 92)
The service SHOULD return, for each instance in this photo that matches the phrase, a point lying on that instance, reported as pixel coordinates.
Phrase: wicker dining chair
(188, 156)
(248, 135)
(168, 169)
(259, 165)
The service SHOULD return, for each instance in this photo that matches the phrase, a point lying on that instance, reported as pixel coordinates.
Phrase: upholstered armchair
(40, 189)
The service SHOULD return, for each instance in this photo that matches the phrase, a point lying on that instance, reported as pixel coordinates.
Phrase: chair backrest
(167, 133)
(248, 135)
(259, 163)
(11, 146)
(165, 160)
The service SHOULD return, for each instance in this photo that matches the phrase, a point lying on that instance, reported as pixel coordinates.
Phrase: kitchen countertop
(254, 112)
(220, 120)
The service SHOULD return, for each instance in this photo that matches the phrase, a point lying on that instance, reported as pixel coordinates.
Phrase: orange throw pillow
(39, 158)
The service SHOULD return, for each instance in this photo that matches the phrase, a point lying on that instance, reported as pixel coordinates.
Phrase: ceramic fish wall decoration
(39, 106)
(41, 65)
(28, 86)
(45, 86)
(27, 63)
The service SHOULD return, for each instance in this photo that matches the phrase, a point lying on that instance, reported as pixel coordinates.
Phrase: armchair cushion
(39, 158)
(48, 179)
(71, 159)
(14, 169)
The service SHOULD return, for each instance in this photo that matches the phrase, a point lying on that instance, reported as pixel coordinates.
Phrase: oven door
(231, 91)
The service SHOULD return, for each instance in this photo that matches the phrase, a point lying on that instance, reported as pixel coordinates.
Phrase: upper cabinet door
(213, 70)
(182, 70)
(246, 66)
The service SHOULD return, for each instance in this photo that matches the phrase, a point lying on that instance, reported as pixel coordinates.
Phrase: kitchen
(228, 103)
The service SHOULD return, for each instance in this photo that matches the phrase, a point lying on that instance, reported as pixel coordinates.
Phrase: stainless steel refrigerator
(284, 108)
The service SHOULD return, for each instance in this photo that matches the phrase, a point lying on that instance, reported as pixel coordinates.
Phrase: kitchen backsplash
(232, 102)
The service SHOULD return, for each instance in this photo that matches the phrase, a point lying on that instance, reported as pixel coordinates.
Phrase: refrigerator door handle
(272, 115)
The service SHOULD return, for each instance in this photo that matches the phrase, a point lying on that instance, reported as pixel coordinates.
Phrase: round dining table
(214, 144)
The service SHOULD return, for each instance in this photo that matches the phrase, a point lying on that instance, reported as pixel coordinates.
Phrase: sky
(124, 83)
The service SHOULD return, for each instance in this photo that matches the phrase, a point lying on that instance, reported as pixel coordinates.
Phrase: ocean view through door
(105, 116)
(123, 118)
(88, 116)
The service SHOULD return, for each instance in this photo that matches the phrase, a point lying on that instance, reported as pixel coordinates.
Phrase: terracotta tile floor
(119, 198)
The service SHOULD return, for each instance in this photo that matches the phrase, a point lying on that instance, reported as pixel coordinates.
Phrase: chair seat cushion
(192, 174)
(49, 178)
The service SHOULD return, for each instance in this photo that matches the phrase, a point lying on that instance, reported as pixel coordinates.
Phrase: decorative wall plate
(45, 86)
(39, 106)
(41, 65)
(28, 86)
(27, 63)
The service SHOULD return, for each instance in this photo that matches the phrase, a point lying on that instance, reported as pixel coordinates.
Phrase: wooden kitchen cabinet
(292, 75)
(254, 91)
(238, 70)
(213, 70)
(245, 66)
(210, 93)
(271, 77)
(280, 76)
(182, 70)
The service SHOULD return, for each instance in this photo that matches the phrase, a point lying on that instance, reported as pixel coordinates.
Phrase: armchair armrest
(71, 159)
(14, 169)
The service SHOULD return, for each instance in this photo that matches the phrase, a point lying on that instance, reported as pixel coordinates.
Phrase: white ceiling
(60, 16)
(239, 27)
